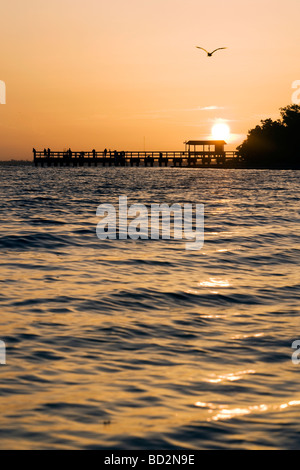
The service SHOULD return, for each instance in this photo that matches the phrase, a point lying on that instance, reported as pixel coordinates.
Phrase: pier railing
(50, 158)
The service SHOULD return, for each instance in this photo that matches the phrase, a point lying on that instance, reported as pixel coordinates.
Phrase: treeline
(274, 144)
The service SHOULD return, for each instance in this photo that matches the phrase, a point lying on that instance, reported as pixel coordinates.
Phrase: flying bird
(209, 54)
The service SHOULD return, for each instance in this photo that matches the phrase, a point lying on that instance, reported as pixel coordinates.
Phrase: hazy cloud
(210, 108)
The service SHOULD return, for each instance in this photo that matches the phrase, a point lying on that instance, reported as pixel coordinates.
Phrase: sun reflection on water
(223, 412)
(232, 377)
(214, 282)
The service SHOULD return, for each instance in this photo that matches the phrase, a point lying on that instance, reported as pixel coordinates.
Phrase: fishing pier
(197, 154)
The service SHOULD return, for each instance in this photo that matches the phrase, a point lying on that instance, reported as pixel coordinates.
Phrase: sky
(126, 75)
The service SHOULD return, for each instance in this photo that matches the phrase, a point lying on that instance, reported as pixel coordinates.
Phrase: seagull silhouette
(209, 54)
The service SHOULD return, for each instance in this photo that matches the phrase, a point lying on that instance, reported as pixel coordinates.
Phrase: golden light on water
(223, 412)
(213, 282)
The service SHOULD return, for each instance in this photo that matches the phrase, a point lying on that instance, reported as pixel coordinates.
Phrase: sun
(220, 131)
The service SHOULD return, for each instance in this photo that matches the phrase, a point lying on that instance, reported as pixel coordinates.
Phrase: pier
(197, 154)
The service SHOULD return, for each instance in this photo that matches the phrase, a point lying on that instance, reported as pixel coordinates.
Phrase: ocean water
(127, 344)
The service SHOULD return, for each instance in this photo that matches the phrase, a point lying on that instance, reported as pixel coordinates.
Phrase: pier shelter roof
(205, 142)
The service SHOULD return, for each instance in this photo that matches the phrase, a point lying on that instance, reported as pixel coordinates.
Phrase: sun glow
(220, 131)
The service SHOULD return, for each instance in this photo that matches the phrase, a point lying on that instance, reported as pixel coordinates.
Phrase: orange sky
(93, 74)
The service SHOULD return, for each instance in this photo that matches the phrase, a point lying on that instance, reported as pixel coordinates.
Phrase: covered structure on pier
(205, 150)
(205, 147)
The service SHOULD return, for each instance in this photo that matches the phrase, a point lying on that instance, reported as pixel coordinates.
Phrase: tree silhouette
(274, 144)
